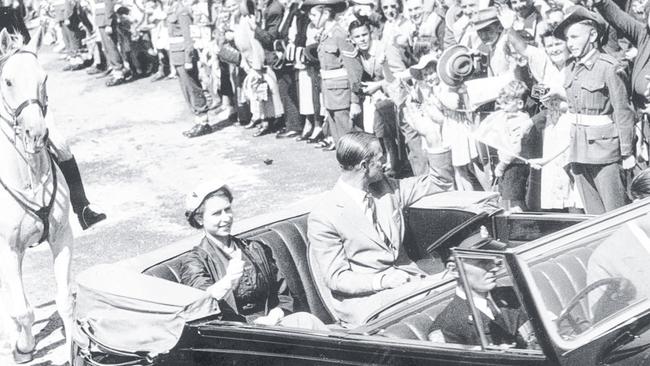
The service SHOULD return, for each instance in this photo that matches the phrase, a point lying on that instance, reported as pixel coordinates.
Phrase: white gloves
(231, 279)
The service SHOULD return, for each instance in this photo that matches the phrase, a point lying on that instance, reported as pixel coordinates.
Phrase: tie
(372, 209)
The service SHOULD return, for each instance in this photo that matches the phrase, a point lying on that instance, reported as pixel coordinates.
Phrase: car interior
(288, 240)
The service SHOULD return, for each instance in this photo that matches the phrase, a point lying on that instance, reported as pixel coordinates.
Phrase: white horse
(34, 197)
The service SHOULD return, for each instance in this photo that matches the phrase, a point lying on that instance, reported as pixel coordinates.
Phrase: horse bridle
(43, 213)
(14, 114)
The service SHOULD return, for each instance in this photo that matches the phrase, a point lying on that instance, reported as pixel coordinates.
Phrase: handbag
(229, 54)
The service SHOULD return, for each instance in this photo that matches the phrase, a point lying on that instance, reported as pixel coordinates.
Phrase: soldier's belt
(176, 39)
(333, 74)
(589, 119)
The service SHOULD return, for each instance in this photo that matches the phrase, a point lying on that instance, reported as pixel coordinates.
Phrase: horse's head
(23, 92)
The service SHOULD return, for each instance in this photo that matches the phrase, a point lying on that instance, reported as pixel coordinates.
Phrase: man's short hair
(353, 147)
(359, 22)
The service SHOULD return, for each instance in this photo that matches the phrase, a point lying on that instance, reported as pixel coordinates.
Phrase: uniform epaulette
(350, 54)
(608, 58)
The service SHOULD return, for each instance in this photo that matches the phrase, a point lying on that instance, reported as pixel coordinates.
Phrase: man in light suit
(356, 233)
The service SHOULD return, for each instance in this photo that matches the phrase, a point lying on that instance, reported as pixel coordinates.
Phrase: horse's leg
(18, 307)
(62, 254)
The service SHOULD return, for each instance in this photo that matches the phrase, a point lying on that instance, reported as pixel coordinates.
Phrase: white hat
(197, 195)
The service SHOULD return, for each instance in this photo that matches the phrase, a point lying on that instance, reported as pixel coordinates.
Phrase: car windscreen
(595, 282)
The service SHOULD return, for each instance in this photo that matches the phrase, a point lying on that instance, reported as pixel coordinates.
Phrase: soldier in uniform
(340, 69)
(104, 16)
(602, 119)
(183, 57)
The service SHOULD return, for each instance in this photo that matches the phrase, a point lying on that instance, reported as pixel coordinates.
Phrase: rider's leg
(68, 165)
(80, 205)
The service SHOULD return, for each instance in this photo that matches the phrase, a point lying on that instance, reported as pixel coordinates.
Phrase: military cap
(577, 14)
(484, 18)
(337, 5)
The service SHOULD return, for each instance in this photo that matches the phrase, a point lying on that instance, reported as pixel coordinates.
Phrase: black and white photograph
(324, 182)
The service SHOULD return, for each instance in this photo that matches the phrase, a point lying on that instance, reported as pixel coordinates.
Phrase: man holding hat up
(602, 119)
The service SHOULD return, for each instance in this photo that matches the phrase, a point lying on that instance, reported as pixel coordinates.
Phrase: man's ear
(593, 35)
(363, 164)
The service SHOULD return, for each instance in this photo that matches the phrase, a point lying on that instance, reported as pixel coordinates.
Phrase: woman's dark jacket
(637, 33)
(261, 287)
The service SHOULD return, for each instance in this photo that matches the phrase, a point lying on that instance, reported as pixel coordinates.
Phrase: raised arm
(623, 22)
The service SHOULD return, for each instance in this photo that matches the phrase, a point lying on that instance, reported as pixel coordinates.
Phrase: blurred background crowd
(550, 115)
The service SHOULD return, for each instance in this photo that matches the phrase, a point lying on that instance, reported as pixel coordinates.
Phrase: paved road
(137, 166)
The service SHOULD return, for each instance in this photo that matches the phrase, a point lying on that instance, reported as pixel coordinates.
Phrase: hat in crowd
(428, 60)
(484, 18)
(577, 14)
(363, 2)
(454, 65)
(198, 194)
(337, 5)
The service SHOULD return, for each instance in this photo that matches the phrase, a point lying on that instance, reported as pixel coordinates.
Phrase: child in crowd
(558, 192)
(514, 125)
(153, 22)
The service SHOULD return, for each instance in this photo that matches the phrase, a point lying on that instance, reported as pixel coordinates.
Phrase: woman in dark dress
(241, 274)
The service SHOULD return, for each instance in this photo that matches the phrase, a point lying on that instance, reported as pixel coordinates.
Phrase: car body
(545, 263)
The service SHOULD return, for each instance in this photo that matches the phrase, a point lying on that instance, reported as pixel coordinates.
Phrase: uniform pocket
(336, 84)
(594, 95)
(605, 132)
(603, 143)
(331, 48)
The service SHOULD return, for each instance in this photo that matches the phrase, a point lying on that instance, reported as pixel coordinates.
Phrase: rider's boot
(80, 205)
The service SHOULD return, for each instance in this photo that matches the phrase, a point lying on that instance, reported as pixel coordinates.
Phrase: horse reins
(43, 213)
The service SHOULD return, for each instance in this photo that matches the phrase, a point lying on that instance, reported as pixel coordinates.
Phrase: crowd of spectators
(544, 100)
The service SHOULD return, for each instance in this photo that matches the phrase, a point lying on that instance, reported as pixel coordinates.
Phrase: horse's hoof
(22, 357)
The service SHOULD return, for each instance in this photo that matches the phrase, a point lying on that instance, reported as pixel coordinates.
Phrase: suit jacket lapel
(386, 207)
(352, 213)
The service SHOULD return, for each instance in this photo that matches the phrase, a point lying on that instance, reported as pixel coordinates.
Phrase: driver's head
(640, 187)
(480, 273)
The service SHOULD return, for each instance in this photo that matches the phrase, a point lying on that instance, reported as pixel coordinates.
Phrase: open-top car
(578, 311)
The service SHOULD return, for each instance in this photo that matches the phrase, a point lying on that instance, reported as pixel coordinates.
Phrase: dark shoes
(284, 134)
(87, 217)
(116, 81)
(198, 130)
(265, 129)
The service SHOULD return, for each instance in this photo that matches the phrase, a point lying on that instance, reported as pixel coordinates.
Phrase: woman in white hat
(242, 274)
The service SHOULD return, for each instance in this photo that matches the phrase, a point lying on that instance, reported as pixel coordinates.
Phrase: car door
(588, 292)
(219, 343)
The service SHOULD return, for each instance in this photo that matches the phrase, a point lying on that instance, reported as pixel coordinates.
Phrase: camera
(538, 91)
